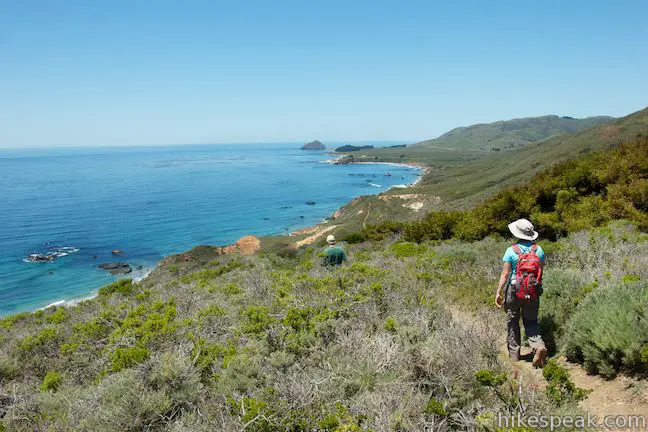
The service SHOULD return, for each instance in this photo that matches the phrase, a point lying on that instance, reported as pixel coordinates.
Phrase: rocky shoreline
(250, 244)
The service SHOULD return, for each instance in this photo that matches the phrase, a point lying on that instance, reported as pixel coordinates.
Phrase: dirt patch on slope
(318, 233)
(247, 245)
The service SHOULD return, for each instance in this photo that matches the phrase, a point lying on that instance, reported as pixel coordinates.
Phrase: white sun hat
(523, 229)
(330, 239)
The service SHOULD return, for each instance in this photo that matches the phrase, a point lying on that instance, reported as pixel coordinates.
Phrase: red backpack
(528, 273)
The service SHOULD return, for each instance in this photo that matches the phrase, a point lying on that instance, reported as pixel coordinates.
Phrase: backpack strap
(516, 249)
(534, 247)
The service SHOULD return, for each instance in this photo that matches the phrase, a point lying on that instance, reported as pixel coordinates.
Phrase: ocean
(150, 202)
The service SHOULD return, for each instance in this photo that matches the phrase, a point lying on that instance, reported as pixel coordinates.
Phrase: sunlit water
(151, 202)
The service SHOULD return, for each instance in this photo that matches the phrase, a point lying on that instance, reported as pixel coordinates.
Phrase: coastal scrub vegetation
(273, 343)
(570, 196)
(403, 337)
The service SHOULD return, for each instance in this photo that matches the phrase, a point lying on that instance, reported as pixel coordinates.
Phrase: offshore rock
(314, 145)
(116, 267)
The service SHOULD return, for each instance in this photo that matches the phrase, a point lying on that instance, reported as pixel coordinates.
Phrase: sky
(129, 73)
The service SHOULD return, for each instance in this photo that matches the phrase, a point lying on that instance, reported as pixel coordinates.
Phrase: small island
(314, 145)
(352, 148)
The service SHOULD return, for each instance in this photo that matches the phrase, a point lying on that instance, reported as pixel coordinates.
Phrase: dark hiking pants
(527, 310)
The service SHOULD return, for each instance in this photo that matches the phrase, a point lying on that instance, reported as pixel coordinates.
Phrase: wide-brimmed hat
(330, 239)
(523, 229)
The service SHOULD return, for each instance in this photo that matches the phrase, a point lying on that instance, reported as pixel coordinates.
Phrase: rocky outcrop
(247, 245)
(346, 160)
(116, 268)
(314, 145)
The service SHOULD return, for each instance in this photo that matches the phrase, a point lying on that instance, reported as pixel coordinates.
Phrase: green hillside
(459, 179)
(462, 177)
(469, 182)
(279, 343)
(510, 134)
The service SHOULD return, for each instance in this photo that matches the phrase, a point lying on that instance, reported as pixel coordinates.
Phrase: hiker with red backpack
(521, 281)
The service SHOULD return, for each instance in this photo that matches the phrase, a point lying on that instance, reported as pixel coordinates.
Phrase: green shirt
(334, 255)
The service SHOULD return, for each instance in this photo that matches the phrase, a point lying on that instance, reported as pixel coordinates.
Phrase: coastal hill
(352, 148)
(214, 340)
(314, 145)
(228, 339)
(510, 134)
(459, 178)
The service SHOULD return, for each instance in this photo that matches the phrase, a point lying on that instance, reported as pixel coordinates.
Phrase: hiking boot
(540, 357)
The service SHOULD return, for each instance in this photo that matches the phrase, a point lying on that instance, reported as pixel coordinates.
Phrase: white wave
(140, 275)
(53, 304)
(49, 256)
(375, 185)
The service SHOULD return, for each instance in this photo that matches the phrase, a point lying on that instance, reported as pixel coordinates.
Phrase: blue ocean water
(151, 202)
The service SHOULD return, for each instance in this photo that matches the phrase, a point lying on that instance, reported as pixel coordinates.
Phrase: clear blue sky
(89, 73)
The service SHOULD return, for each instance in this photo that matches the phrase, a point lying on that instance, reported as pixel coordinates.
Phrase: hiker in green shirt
(333, 255)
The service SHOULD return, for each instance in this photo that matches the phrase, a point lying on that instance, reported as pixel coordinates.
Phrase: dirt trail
(314, 237)
(364, 222)
(619, 396)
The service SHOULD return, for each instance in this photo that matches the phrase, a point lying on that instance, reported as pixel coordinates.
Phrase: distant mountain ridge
(509, 134)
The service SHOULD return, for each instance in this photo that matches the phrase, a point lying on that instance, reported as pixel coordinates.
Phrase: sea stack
(314, 145)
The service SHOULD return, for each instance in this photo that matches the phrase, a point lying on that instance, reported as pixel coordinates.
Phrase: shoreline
(138, 276)
(324, 224)
(414, 165)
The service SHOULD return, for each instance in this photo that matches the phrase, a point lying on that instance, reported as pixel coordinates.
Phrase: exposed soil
(247, 245)
(320, 231)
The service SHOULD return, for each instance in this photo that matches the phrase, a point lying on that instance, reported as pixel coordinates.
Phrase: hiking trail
(619, 396)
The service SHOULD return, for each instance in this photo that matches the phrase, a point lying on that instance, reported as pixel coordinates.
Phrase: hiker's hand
(499, 301)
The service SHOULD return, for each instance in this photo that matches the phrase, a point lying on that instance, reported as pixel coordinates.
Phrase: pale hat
(330, 239)
(523, 229)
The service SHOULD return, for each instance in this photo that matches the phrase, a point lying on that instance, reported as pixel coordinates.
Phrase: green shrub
(207, 275)
(209, 357)
(390, 325)
(257, 319)
(606, 332)
(122, 286)
(51, 382)
(437, 225)
(435, 407)
(46, 337)
(9, 321)
(250, 409)
(232, 289)
(406, 249)
(381, 231)
(489, 378)
(644, 355)
(59, 316)
(123, 358)
(211, 311)
(560, 388)
(148, 323)
(353, 238)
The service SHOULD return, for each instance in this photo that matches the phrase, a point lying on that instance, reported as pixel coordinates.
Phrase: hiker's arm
(504, 279)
